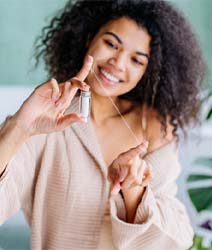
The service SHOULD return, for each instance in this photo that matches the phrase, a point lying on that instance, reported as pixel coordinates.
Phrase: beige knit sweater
(60, 182)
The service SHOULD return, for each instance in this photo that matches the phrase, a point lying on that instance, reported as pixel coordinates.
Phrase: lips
(108, 77)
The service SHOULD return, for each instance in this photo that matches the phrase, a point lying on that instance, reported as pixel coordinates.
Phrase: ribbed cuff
(125, 233)
(146, 208)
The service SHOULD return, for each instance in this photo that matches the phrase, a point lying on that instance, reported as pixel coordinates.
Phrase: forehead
(131, 34)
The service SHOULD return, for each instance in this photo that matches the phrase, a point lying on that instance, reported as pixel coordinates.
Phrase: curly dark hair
(176, 69)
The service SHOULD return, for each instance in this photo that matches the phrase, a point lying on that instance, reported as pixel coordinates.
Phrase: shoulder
(155, 133)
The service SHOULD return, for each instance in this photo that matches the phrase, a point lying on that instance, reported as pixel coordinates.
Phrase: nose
(119, 61)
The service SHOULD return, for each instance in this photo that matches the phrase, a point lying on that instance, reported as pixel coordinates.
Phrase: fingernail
(53, 79)
(90, 59)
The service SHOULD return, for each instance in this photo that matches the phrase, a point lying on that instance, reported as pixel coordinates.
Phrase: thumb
(84, 71)
(143, 148)
(139, 150)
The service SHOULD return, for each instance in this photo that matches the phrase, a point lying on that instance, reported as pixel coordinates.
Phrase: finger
(127, 182)
(76, 83)
(115, 188)
(113, 173)
(68, 119)
(131, 177)
(132, 153)
(117, 173)
(55, 89)
(70, 89)
(64, 99)
(87, 64)
(138, 177)
(146, 181)
(144, 145)
(123, 174)
(148, 176)
(141, 173)
(49, 87)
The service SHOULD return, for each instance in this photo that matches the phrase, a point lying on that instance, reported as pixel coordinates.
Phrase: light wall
(20, 22)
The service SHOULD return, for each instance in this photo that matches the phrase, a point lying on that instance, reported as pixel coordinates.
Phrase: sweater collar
(87, 136)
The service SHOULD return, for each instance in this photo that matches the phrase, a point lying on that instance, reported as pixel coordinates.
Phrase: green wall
(22, 20)
(20, 23)
(199, 12)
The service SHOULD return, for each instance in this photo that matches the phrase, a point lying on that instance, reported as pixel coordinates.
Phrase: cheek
(136, 75)
(99, 52)
(96, 50)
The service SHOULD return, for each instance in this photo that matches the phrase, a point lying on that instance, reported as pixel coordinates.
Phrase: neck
(102, 109)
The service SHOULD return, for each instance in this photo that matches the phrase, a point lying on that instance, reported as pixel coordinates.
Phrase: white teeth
(109, 76)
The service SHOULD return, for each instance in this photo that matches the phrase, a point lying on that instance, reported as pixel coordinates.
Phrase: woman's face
(120, 50)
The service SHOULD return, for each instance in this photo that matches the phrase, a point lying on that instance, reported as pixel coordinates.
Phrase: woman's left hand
(129, 170)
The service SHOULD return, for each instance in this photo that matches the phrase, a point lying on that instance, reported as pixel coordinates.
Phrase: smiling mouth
(108, 76)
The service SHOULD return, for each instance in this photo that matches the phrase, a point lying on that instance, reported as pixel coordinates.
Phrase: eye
(136, 61)
(110, 44)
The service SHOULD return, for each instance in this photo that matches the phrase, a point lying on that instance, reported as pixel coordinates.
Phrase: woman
(144, 68)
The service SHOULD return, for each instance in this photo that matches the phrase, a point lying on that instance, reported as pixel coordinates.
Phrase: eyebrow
(120, 41)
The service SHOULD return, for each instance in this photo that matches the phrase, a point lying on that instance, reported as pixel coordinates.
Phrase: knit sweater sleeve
(161, 221)
(16, 183)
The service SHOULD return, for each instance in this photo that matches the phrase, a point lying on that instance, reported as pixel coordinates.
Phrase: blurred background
(21, 22)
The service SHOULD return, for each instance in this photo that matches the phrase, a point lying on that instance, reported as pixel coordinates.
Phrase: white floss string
(114, 105)
(126, 124)
(124, 121)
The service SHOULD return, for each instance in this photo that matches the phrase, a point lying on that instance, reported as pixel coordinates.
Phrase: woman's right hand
(43, 111)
